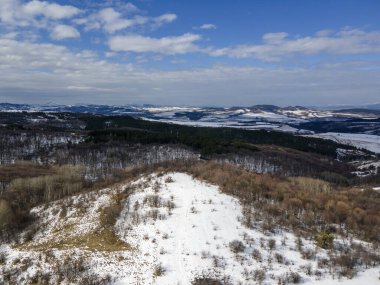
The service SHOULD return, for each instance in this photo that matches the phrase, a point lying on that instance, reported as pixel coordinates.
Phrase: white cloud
(166, 45)
(61, 32)
(274, 38)
(130, 8)
(16, 13)
(276, 46)
(163, 19)
(208, 27)
(8, 9)
(49, 10)
(113, 20)
(120, 5)
(110, 20)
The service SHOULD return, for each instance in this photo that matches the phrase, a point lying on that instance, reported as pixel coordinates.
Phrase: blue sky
(210, 52)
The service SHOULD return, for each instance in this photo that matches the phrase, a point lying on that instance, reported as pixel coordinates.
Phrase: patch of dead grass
(103, 241)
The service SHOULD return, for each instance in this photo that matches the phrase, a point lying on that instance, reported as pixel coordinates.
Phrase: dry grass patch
(105, 241)
(65, 228)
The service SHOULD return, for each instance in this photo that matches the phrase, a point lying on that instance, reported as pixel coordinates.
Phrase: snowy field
(369, 142)
(177, 229)
(240, 124)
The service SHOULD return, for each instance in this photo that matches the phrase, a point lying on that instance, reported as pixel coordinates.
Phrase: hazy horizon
(374, 105)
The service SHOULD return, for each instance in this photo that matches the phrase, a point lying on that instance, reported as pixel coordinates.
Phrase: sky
(195, 53)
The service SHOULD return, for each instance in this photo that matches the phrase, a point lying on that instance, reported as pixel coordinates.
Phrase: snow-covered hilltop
(170, 229)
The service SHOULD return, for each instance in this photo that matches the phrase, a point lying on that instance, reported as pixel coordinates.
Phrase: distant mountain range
(290, 111)
(290, 119)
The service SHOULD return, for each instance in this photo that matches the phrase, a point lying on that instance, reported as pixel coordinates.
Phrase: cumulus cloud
(113, 21)
(276, 46)
(61, 32)
(49, 10)
(14, 12)
(208, 27)
(129, 8)
(166, 45)
(163, 19)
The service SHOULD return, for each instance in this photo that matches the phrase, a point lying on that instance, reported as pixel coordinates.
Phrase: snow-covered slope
(369, 142)
(200, 236)
(171, 229)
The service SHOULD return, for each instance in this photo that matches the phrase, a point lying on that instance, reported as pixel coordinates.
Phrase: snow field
(369, 142)
(194, 238)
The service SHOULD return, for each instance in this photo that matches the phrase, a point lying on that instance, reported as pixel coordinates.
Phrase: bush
(256, 254)
(324, 239)
(237, 246)
(279, 258)
(159, 270)
(169, 179)
(291, 277)
(153, 201)
(259, 275)
(272, 244)
(206, 281)
(2, 258)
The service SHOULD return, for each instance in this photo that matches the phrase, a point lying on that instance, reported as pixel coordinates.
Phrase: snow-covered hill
(288, 119)
(369, 142)
(171, 229)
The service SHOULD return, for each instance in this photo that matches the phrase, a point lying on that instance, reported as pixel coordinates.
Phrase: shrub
(169, 179)
(324, 239)
(279, 257)
(257, 255)
(292, 277)
(206, 281)
(237, 246)
(308, 254)
(193, 210)
(2, 258)
(153, 201)
(159, 270)
(259, 275)
(272, 244)
(347, 263)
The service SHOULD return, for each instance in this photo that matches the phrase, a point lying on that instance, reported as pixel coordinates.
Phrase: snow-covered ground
(240, 124)
(194, 238)
(366, 167)
(177, 229)
(369, 142)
